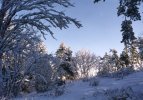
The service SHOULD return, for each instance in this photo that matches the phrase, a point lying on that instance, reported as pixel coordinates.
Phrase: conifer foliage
(129, 9)
(65, 68)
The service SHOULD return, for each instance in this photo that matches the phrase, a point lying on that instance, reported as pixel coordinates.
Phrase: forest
(29, 72)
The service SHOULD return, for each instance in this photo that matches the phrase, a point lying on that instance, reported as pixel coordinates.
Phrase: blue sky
(100, 31)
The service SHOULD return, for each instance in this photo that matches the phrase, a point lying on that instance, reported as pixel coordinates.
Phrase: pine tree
(129, 9)
(129, 41)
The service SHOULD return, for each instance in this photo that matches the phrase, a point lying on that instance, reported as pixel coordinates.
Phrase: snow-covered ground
(80, 90)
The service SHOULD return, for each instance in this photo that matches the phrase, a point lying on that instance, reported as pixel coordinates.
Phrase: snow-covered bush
(40, 85)
(122, 72)
(103, 73)
(122, 94)
(94, 82)
(27, 85)
(126, 93)
(57, 90)
(85, 79)
(42, 72)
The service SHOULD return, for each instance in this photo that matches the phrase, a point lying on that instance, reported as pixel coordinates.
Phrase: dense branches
(22, 22)
(18, 14)
(86, 63)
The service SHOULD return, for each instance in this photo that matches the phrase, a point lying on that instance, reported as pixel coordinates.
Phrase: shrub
(57, 91)
(121, 94)
(94, 82)
(85, 79)
(122, 72)
(41, 86)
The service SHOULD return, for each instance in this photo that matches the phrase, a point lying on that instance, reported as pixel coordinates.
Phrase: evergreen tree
(124, 58)
(128, 34)
(65, 68)
(115, 59)
(105, 66)
(134, 55)
(129, 9)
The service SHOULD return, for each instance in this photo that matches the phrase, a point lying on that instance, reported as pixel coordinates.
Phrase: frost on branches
(21, 21)
(65, 68)
(18, 15)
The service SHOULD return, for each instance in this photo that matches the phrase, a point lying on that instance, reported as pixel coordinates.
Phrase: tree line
(25, 64)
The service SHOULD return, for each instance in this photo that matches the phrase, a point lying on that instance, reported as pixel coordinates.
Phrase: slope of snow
(80, 90)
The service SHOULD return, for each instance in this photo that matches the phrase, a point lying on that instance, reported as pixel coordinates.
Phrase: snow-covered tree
(140, 45)
(17, 62)
(65, 68)
(124, 58)
(21, 22)
(134, 55)
(128, 34)
(42, 71)
(130, 10)
(86, 63)
(105, 66)
(17, 16)
(115, 60)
